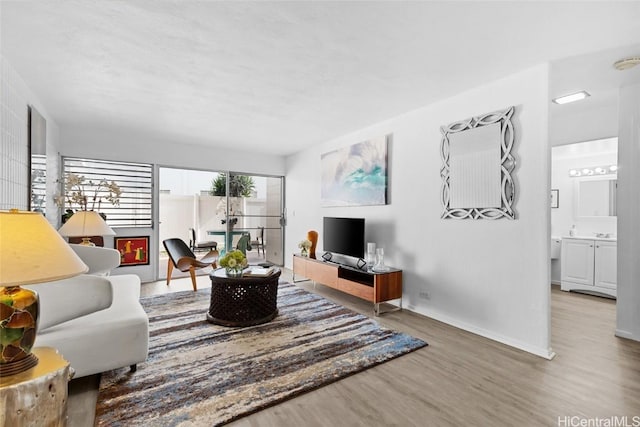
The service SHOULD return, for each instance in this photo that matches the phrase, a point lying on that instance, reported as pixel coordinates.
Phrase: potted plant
(233, 262)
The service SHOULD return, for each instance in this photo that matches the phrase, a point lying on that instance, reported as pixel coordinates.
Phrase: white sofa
(94, 320)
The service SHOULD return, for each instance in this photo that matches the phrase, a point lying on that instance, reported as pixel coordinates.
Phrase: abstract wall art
(133, 250)
(356, 175)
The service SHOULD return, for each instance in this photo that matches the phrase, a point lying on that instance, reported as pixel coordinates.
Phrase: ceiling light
(626, 63)
(613, 168)
(571, 97)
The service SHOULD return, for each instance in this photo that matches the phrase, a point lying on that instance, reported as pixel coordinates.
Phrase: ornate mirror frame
(507, 165)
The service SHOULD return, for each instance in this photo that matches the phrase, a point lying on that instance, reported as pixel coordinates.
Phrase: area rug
(200, 374)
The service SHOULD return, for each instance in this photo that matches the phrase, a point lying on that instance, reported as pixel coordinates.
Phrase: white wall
(628, 305)
(488, 277)
(583, 125)
(14, 159)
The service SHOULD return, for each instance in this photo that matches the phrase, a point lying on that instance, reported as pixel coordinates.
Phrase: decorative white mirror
(477, 167)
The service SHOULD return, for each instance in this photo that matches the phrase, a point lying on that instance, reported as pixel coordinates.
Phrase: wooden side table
(37, 396)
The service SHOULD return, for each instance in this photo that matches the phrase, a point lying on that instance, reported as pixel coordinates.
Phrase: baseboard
(626, 334)
(545, 353)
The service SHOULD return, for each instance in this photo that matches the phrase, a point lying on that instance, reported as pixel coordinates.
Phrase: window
(94, 181)
(38, 183)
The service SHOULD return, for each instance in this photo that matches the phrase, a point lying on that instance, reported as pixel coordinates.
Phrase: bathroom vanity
(589, 264)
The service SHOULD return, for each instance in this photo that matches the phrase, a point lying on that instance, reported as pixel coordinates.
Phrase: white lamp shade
(84, 224)
(31, 251)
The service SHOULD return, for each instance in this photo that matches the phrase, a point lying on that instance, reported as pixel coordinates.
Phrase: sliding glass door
(221, 207)
(256, 206)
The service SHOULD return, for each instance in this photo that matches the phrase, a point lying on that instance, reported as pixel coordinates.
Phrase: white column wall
(488, 277)
(628, 304)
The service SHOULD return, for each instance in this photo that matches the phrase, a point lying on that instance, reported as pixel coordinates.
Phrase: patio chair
(182, 258)
(195, 245)
(244, 244)
(259, 241)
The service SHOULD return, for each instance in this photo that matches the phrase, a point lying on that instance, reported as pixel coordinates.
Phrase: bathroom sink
(604, 235)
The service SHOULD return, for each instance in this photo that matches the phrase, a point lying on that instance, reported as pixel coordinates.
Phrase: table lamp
(84, 224)
(31, 252)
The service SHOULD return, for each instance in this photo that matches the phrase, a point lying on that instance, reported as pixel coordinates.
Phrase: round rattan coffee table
(243, 301)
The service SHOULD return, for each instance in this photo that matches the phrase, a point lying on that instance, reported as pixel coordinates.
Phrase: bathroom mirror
(477, 167)
(596, 197)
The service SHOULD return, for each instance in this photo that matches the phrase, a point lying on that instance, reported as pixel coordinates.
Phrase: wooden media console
(370, 286)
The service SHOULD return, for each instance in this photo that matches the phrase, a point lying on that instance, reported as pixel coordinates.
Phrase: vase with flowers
(233, 262)
(304, 247)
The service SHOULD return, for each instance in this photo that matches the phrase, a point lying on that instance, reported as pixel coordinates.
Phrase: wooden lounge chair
(182, 258)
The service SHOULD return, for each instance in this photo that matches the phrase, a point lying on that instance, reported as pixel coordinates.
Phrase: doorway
(573, 166)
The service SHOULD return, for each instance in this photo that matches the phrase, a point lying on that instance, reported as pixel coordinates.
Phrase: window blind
(135, 181)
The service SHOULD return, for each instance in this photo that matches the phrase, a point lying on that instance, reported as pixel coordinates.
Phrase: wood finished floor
(462, 379)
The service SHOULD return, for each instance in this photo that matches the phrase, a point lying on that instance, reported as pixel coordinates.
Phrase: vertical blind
(134, 179)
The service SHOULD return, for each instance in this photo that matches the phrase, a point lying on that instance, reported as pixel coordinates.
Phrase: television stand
(370, 286)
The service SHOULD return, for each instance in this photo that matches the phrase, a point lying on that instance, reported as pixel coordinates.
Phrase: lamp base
(86, 241)
(12, 368)
(19, 311)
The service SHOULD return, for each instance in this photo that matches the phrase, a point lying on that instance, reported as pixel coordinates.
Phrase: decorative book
(258, 271)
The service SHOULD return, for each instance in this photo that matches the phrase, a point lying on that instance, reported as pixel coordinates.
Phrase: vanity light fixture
(571, 97)
(594, 170)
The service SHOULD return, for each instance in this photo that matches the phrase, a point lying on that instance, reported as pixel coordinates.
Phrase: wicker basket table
(243, 301)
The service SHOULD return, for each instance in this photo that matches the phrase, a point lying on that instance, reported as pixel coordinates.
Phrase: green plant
(239, 186)
(233, 259)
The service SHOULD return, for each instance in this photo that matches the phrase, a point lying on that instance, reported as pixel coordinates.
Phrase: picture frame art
(555, 198)
(356, 175)
(133, 250)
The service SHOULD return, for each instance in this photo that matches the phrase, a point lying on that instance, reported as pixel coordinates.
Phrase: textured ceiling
(280, 76)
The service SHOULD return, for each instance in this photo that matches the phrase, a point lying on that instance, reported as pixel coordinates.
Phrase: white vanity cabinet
(589, 265)
(605, 265)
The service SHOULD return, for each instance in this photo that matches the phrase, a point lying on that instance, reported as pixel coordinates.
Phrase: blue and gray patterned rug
(200, 374)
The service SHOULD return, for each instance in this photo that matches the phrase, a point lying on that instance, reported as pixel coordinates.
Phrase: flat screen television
(343, 236)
